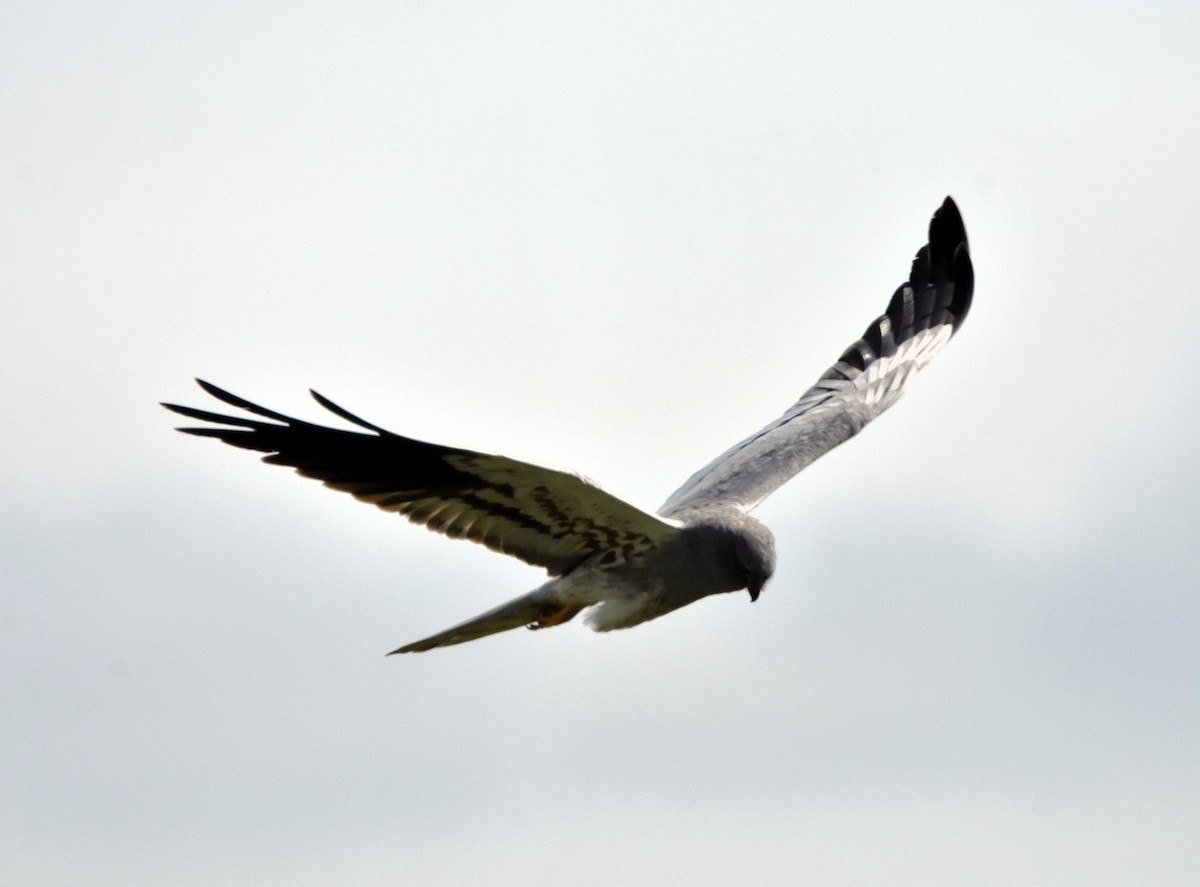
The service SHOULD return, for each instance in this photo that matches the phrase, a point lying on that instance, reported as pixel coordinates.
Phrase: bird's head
(754, 559)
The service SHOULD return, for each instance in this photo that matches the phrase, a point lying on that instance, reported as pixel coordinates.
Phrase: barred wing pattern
(868, 378)
(545, 517)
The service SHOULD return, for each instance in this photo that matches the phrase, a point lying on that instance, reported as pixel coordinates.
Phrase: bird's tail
(540, 608)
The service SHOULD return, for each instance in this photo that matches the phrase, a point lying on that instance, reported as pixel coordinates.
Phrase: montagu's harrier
(628, 566)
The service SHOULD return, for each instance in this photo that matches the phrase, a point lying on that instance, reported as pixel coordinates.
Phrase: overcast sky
(616, 237)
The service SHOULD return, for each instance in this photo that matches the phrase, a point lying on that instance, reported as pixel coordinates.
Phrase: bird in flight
(627, 565)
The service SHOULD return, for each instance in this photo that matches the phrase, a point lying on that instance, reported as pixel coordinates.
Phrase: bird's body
(699, 559)
(625, 564)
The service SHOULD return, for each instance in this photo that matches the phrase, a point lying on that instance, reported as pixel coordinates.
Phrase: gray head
(754, 556)
(736, 550)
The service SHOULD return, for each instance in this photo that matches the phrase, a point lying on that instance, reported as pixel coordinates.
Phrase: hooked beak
(755, 590)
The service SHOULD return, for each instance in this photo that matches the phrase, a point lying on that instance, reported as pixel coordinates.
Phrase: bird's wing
(868, 378)
(545, 517)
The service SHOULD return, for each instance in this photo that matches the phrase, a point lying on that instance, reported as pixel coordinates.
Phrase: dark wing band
(545, 517)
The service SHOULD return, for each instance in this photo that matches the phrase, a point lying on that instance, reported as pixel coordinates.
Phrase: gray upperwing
(868, 378)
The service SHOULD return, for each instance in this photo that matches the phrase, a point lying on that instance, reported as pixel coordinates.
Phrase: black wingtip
(946, 228)
(345, 413)
(182, 411)
(218, 393)
(241, 403)
(224, 396)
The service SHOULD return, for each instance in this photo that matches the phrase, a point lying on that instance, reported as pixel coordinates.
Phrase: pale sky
(618, 238)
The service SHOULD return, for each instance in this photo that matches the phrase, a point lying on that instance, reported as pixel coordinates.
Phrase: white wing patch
(887, 378)
(869, 377)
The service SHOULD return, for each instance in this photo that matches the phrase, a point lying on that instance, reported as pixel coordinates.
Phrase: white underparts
(614, 613)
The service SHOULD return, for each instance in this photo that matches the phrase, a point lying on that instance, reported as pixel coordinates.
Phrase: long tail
(537, 609)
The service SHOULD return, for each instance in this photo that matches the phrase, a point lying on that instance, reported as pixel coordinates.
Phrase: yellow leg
(553, 615)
